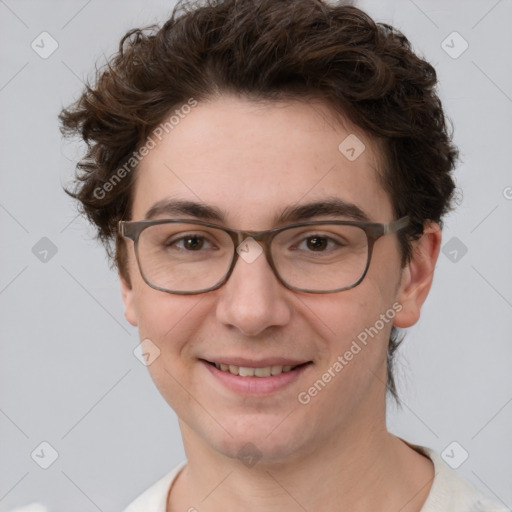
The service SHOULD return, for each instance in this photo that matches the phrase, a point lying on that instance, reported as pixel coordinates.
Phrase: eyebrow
(330, 206)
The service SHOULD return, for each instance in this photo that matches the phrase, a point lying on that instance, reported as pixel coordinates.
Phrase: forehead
(250, 160)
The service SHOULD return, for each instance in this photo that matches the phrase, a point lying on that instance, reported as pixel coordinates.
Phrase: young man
(274, 175)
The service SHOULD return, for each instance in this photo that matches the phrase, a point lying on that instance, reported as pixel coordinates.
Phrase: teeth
(245, 371)
(276, 370)
(263, 372)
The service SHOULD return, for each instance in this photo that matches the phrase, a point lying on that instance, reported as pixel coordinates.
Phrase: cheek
(353, 361)
(348, 313)
(358, 323)
(168, 321)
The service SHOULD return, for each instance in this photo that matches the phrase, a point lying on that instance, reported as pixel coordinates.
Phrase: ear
(128, 300)
(417, 276)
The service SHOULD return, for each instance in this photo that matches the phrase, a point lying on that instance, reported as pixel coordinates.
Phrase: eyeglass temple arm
(397, 225)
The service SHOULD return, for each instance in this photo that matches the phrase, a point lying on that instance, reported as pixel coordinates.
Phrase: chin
(259, 440)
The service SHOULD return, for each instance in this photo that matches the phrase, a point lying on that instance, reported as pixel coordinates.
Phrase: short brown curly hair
(267, 50)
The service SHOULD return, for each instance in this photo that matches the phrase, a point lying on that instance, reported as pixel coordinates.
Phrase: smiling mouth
(265, 371)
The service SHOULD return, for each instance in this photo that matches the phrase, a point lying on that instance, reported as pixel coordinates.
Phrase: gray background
(68, 375)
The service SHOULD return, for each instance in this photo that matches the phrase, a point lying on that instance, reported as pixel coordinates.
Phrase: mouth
(256, 378)
(259, 371)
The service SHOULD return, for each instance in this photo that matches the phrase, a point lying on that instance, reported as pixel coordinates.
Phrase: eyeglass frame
(372, 230)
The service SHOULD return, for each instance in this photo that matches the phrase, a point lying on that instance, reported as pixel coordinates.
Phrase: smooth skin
(251, 160)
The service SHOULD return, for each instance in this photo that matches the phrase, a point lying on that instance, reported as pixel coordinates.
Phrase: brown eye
(316, 243)
(193, 242)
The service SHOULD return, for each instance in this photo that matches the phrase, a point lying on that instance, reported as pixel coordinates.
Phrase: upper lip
(256, 363)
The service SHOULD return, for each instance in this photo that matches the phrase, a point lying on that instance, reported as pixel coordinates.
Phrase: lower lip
(256, 385)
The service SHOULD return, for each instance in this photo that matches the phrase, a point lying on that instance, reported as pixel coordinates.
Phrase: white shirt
(449, 491)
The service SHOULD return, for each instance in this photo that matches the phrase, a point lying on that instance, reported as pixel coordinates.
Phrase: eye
(319, 243)
(190, 242)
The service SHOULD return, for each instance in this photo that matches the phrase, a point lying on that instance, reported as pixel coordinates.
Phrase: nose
(253, 298)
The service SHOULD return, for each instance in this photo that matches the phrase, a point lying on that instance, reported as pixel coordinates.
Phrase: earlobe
(418, 275)
(128, 300)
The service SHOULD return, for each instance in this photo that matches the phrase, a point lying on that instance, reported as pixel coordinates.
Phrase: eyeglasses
(191, 256)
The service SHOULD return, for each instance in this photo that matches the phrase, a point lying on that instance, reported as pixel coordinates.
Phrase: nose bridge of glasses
(239, 236)
(261, 237)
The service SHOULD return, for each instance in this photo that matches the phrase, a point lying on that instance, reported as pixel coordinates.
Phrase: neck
(356, 471)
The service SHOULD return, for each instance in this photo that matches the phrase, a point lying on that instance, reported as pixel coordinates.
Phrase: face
(251, 161)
